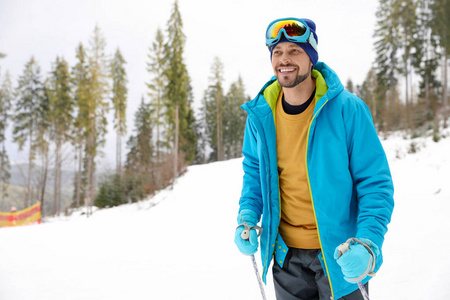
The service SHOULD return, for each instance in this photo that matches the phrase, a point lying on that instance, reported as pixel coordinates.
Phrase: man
(12, 218)
(315, 171)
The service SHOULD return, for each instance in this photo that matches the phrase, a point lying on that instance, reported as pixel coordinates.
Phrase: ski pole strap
(245, 235)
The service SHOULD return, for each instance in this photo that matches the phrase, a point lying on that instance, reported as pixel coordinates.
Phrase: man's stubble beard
(299, 79)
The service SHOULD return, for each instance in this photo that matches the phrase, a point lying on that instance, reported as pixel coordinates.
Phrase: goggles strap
(312, 41)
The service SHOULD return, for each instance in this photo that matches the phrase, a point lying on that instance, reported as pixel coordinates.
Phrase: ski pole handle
(343, 248)
(245, 235)
(346, 246)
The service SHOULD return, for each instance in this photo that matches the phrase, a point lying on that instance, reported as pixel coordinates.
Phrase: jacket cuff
(247, 216)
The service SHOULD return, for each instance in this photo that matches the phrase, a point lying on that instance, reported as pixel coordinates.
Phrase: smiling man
(315, 171)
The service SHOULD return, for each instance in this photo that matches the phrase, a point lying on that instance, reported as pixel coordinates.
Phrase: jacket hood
(270, 91)
(333, 82)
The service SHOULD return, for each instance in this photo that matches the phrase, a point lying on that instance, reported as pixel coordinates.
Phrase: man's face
(291, 65)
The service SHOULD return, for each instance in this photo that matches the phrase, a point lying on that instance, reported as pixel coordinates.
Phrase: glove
(356, 258)
(250, 246)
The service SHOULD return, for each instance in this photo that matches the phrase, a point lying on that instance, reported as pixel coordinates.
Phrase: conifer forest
(406, 89)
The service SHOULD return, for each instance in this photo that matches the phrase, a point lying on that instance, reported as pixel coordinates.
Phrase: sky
(231, 30)
(179, 244)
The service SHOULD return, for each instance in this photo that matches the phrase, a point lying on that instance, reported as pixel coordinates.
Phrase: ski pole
(344, 248)
(261, 287)
(363, 290)
(246, 236)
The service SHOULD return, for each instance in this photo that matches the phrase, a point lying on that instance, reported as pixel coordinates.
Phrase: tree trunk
(30, 166)
(118, 145)
(444, 89)
(57, 183)
(175, 146)
(407, 100)
(78, 177)
(2, 184)
(88, 193)
(428, 110)
(44, 178)
(220, 155)
(158, 155)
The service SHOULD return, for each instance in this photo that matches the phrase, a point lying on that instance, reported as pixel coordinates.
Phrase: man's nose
(285, 58)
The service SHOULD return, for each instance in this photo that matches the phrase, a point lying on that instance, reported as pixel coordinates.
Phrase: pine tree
(217, 90)
(97, 110)
(81, 92)
(368, 92)
(117, 190)
(140, 157)
(234, 119)
(27, 113)
(61, 117)
(426, 60)
(203, 134)
(41, 141)
(214, 109)
(110, 192)
(407, 30)
(6, 100)
(208, 111)
(102, 199)
(119, 101)
(440, 25)
(387, 66)
(177, 88)
(188, 129)
(349, 86)
(156, 67)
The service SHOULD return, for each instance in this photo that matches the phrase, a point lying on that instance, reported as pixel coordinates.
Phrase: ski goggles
(295, 31)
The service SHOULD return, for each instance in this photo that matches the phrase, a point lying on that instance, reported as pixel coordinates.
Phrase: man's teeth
(286, 70)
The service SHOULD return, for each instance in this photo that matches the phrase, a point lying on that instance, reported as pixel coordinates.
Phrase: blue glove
(356, 258)
(250, 246)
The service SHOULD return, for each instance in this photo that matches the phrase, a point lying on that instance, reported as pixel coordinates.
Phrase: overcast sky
(232, 30)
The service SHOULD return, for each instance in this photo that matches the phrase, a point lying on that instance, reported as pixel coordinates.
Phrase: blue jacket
(348, 174)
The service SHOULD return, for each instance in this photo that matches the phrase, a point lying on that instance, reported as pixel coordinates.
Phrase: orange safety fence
(28, 216)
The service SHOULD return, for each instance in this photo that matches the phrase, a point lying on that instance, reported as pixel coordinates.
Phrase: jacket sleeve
(251, 196)
(371, 175)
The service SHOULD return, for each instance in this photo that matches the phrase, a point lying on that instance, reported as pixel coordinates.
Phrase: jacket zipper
(312, 200)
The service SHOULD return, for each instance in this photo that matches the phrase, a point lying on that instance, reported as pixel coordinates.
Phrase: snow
(179, 244)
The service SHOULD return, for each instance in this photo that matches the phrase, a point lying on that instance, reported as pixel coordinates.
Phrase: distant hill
(19, 176)
(18, 183)
(15, 198)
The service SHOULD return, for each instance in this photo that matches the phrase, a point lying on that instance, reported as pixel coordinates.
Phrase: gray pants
(302, 278)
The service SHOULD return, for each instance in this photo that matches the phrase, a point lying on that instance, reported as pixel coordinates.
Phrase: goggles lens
(292, 28)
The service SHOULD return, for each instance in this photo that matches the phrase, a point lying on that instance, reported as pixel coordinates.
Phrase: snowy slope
(179, 244)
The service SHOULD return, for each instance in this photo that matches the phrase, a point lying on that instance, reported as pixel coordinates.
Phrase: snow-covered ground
(179, 244)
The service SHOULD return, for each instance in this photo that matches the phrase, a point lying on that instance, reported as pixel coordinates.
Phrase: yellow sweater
(297, 226)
